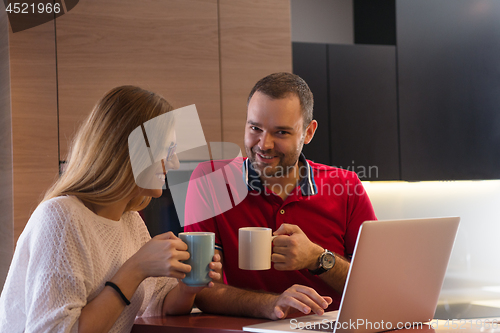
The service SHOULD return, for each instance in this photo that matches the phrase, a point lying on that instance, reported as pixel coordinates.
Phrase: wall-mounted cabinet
(255, 40)
(449, 89)
(169, 47)
(310, 63)
(354, 89)
(424, 109)
(363, 107)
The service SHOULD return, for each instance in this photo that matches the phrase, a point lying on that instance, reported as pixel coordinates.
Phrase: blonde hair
(99, 169)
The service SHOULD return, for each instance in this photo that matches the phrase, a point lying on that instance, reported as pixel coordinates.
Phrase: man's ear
(310, 130)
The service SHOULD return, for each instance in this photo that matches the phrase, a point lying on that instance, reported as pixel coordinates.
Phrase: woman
(85, 261)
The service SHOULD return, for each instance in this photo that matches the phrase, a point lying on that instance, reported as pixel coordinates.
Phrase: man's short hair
(279, 85)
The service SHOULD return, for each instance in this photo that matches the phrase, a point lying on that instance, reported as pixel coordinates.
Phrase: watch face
(328, 261)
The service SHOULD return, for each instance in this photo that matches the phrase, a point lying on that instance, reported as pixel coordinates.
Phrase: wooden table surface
(195, 322)
(202, 322)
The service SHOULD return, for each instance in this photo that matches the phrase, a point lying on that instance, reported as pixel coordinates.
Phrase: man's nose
(266, 142)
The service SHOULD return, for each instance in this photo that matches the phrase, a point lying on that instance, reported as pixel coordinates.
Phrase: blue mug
(201, 250)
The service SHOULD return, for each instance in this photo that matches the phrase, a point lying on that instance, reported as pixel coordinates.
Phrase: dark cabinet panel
(363, 110)
(449, 88)
(374, 22)
(310, 63)
(435, 115)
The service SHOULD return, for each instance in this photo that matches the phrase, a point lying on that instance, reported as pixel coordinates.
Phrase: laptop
(394, 280)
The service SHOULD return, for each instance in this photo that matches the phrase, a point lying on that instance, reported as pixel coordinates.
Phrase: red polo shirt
(329, 205)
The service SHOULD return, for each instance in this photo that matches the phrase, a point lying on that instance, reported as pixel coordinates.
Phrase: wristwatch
(326, 262)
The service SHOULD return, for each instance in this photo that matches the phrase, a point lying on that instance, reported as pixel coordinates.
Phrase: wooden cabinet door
(33, 88)
(255, 40)
(169, 47)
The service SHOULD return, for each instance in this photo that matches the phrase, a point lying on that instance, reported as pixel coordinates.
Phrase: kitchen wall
(472, 272)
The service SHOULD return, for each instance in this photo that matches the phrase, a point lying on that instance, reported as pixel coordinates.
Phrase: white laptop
(394, 281)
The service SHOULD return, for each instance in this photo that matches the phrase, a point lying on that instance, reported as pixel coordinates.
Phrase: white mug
(255, 248)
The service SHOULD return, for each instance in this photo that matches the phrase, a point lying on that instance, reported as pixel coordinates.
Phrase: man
(315, 210)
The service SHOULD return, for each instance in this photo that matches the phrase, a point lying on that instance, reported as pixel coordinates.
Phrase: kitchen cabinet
(6, 167)
(355, 86)
(33, 108)
(363, 107)
(424, 109)
(449, 89)
(169, 47)
(310, 63)
(255, 41)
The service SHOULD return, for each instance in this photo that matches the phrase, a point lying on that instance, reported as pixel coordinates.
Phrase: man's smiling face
(274, 134)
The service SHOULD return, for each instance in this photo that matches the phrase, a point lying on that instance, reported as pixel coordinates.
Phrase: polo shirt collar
(307, 184)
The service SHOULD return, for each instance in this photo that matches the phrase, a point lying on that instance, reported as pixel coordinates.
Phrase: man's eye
(283, 132)
(254, 128)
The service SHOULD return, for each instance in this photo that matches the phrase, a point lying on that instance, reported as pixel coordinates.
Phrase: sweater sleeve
(155, 288)
(56, 264)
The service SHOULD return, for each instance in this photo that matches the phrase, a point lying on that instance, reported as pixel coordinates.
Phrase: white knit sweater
(63, 258)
